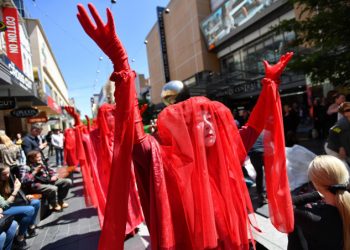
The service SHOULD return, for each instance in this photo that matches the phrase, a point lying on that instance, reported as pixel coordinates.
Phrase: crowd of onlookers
(322, 206)
(26, 181)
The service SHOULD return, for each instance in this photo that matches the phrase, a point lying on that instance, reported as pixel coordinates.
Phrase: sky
(78, 57)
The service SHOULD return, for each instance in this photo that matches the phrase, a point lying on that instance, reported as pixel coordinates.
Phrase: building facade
(32, 88)
(216, 47)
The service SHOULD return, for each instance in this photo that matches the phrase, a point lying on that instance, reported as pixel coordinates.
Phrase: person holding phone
(13, 201)
(39, 178)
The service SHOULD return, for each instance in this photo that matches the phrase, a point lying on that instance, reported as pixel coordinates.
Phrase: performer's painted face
(208, 130)
(110, 120)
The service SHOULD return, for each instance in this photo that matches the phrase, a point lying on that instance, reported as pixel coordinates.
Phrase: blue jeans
(59, 156)
(24, 215)
(6, 238)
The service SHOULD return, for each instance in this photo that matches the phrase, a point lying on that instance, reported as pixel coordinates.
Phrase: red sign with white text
(53, 105)
(12, 36)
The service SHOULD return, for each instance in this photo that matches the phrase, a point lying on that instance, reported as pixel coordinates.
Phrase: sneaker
(31, 232)
(19, 244)
(57, 208)
(64, 205)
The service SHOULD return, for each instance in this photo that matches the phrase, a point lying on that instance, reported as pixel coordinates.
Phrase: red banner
(53, 105)
(12, 36)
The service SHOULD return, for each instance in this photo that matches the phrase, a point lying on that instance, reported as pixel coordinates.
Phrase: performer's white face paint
(208, 130)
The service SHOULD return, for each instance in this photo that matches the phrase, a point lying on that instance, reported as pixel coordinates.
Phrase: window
(48, 89)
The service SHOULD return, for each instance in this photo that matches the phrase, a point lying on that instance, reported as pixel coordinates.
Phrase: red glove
(274, 72)
(71, 111)
(104, 36)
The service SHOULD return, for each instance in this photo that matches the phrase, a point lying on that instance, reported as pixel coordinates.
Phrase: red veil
(207, 182)
(103, 141)
(69, 147)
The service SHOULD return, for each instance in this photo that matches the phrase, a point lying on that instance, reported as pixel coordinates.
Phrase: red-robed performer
(69, 148)
(85, 156)
(103, 141)
(190, 182)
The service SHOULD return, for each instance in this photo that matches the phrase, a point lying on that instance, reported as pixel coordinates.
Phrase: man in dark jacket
(32, 141)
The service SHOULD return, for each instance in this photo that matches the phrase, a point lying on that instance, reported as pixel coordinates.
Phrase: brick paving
(77, 227)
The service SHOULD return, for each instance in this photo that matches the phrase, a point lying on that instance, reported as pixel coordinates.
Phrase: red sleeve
(249, 136)
(267, 115)
(118, 190)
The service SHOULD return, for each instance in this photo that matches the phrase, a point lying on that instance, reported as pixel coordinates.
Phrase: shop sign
(7, 103)
(12, 35)
(24, 112)
(53, 105)
(240, 89)
(40, 118)
(224, 21)
(160, 11)
(17, 76)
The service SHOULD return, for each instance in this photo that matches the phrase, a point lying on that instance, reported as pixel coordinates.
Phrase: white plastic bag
(298, 161)
(250, 168)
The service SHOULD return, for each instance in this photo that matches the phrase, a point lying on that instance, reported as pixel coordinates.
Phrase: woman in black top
(322, 218)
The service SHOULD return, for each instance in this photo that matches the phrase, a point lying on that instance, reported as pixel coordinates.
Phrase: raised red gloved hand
(274, 72)
(104, 36)
(71, 111)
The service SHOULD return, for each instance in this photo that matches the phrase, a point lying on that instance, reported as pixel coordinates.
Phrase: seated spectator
(7, 236)
(322, 217)
(10, 153)
(338, 142)
(39, 178)
(14, 202)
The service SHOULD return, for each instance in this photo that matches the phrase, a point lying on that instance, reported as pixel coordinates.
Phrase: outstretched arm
(104, 35)
(261, 112)
(71, 111)
(126, 124)
(106, 38)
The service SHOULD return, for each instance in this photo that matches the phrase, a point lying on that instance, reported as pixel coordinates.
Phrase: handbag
(5, 222)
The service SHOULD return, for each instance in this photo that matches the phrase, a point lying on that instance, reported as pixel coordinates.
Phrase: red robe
(69, 147)
(194, 197)
(103, 141)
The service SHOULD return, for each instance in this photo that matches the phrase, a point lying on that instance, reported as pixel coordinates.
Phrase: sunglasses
(346, 110)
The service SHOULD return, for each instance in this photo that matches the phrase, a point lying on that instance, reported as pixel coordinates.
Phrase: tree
(322, 30)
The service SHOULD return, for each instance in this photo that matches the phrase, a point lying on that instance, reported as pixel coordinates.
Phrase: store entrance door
(13, 126)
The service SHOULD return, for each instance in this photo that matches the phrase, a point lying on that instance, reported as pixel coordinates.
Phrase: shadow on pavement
(72, 217)
(76, 242)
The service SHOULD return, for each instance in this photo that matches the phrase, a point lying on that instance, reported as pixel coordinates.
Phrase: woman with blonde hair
(10, 153)
(322, 218)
